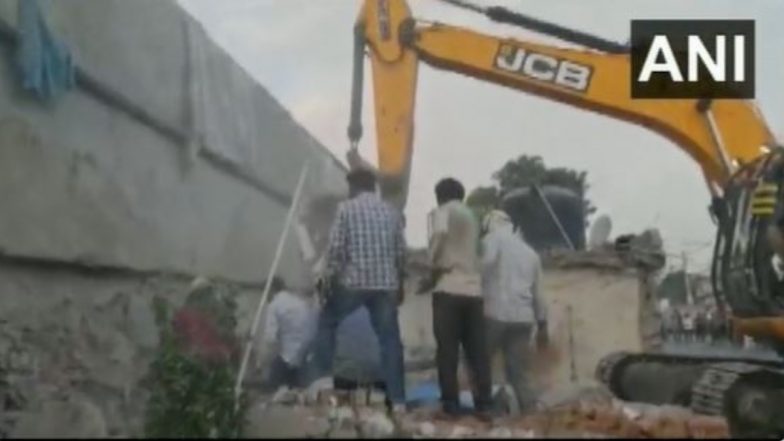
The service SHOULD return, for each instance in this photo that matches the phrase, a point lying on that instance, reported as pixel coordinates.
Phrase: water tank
(530, 213)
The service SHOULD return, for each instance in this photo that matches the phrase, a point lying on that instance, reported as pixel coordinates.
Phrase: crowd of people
(688, 323)
(486, 297)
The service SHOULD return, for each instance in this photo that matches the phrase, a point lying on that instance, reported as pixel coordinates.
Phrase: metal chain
(466, 5)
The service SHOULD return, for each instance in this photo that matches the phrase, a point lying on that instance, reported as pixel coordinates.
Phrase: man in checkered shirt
(365, 261)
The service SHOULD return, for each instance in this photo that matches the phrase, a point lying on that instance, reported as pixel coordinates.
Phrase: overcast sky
(300, 50)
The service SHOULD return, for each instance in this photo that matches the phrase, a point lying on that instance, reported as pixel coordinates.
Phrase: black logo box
(661, 85)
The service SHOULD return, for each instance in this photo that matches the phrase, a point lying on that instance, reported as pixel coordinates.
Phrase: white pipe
(270, 274)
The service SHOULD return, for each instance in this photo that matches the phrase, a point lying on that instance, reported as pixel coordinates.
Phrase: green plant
(190, 397)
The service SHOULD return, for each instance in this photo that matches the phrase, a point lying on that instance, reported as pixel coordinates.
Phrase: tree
(523, 172)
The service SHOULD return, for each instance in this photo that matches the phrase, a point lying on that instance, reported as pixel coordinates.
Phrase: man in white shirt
(458, 317)
(289, 329)
(511, 281)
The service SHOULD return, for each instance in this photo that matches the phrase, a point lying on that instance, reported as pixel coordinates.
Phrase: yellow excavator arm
(719, 135)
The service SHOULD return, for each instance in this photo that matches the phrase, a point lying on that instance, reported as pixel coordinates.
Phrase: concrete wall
(609, 303)
(83, 181)
(592, 314)
(95, 195)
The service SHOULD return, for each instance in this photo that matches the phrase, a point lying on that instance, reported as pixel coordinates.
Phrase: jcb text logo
(692, 59)
(542, 67)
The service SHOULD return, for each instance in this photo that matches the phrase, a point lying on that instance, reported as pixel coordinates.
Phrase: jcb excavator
(742, 163)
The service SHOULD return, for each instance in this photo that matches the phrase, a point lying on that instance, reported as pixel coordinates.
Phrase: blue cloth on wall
(45, 63)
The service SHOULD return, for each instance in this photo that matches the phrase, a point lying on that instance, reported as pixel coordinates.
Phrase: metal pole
(273, 269)
(711, 186)
(554, 217)
(357, 87)
(704, 107)
(686, 284)
(572, 361)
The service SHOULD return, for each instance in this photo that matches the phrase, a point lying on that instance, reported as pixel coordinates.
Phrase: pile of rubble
(361, 414)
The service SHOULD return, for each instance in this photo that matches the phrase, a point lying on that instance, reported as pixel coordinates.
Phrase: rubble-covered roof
(606, 258)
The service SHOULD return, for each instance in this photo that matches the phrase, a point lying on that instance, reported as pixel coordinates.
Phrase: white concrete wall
(605, 308)
(82, 181)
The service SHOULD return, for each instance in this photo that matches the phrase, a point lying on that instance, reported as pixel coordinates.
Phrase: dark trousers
(459, 321)
(514, 341)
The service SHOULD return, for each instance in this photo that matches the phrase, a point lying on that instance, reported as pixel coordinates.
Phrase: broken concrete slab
(375, 425)
(427, 429)
(562, 395)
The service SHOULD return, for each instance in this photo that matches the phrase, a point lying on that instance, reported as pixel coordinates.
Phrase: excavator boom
(719, 135)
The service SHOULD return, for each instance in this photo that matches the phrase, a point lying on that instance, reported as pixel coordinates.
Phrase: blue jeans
(382, 307)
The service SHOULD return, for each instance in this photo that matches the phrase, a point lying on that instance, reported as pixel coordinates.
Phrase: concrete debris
(633, 421)
(376, 425)
(461, 432)
(631, 413)
(560, 396)
(590, 415)
(284, 395)
(376, 398)
(341, 417)
(320, 385)
(500, 433)
(427, 429)
(524, 434)
(643, 250)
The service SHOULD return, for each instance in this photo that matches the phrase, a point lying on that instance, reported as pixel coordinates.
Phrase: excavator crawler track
(748, 392)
